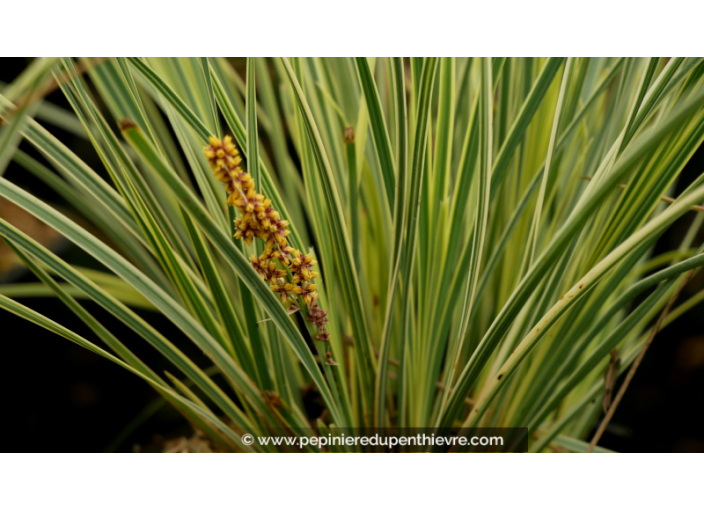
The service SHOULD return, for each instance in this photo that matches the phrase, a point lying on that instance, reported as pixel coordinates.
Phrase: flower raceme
(258, 219)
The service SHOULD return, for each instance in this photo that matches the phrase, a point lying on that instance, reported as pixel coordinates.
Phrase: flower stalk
(289, 272)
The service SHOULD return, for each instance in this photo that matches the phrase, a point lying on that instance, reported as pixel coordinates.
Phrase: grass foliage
(483, 230)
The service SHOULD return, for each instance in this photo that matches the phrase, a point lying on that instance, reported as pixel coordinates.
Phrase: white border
(346, 27)
(390, 481)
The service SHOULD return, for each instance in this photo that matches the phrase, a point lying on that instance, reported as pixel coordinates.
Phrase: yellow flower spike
(259, 219)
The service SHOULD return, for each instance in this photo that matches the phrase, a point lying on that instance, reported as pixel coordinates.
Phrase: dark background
(59, 397)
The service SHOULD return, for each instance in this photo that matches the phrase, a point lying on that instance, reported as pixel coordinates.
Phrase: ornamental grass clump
(484, 231)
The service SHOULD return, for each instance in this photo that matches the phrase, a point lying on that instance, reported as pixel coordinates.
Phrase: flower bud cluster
(258, 219)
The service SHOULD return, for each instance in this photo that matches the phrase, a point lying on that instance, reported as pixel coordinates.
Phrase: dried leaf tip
(126, 123)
